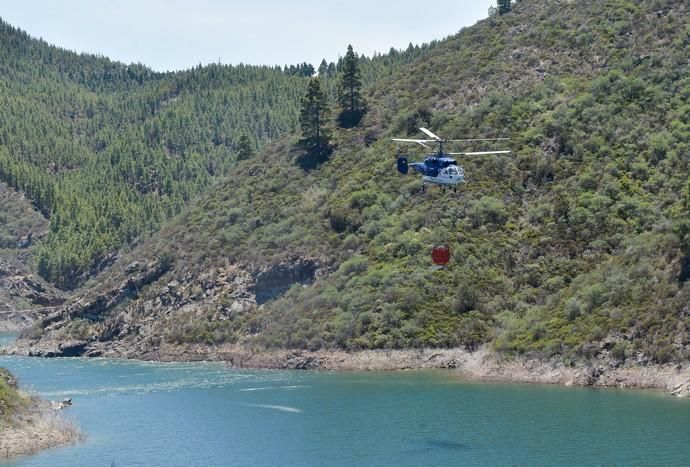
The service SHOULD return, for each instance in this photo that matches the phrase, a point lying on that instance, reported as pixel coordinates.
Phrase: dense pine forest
(109, 151)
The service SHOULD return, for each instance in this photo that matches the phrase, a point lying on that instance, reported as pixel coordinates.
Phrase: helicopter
(438, 168)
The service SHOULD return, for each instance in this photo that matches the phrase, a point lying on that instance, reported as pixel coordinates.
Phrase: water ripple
(282, 408)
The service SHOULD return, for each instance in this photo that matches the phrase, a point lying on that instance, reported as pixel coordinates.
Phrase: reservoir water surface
(188, 414)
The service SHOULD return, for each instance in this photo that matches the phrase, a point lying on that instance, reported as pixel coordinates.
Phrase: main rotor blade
(429, 133)
(480, 139)
(407, 140)
(418, 141)
(481, 153)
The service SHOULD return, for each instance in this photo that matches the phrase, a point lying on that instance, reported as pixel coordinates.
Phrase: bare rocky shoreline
(36, 428)
(479, 365)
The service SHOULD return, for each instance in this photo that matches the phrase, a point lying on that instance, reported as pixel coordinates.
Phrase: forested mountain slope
(110, 151)
(576, 245)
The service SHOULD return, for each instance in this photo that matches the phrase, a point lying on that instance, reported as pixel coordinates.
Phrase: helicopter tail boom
(403, 168)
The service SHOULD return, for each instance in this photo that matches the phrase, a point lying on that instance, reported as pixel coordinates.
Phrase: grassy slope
(574, 246)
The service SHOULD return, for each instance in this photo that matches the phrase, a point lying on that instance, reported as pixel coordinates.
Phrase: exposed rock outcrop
(24, 297)
(135, 313)
(271, 282)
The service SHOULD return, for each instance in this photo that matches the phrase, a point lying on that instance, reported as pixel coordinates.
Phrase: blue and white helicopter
(438, 168)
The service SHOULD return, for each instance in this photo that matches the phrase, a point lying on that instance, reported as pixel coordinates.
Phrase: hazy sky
(178, 34)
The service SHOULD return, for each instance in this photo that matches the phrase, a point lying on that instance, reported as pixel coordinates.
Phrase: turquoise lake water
(151, 414)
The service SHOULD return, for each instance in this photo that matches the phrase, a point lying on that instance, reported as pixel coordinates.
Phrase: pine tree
(244, 148)
(314, 116)
(323, 68)
(350, 92)
(307, 69)
(503, 6)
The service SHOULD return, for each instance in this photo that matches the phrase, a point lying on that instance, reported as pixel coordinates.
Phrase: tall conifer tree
(245, 149)
(313, 119)
(503, 6)
(350, 92)
(323, 68)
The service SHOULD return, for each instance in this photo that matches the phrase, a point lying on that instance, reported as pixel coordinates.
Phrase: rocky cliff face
(151, 306)
(24, 297)
(273, 281)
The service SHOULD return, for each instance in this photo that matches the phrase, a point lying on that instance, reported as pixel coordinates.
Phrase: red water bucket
(440, 255)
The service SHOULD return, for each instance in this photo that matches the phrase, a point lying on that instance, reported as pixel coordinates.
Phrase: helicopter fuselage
(440, 170)
(451, 175)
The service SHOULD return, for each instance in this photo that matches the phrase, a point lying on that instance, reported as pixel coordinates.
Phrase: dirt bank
(482, 364)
